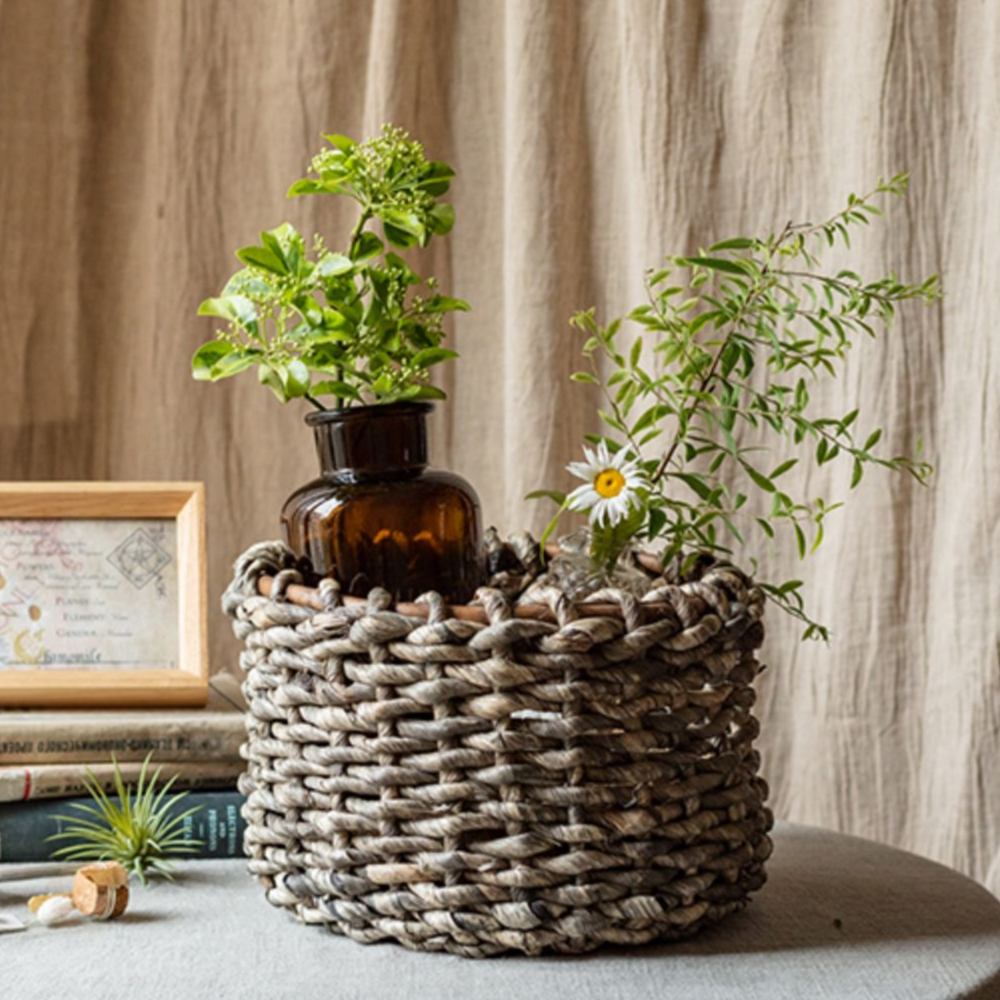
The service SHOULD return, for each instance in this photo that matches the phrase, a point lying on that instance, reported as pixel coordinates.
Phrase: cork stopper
(101, 890)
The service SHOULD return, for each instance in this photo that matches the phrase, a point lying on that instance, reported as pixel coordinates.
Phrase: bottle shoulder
(449, 480)
(330, 492)
(426, 480)
(408, 533)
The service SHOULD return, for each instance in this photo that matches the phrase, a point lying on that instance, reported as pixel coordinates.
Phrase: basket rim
(310, 597)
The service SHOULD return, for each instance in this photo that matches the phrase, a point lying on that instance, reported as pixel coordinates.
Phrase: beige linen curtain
(142, 141)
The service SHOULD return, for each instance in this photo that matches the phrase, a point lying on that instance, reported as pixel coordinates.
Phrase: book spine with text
(25, 827)
(21, 782)
(26, 740)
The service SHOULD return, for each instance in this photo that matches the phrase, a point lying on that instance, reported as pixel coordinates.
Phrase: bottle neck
(371, 442)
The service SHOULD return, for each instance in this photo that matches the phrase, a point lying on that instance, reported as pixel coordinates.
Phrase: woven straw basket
(500, 777)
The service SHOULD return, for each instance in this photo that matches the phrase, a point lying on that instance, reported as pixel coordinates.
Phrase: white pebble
(55, 910)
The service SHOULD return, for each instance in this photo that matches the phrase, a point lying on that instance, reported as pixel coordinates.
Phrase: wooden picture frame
(171, 509)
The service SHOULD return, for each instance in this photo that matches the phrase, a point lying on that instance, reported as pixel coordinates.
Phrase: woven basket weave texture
(547, 783)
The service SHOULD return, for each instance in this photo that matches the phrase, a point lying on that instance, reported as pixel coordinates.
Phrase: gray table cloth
(840, 919)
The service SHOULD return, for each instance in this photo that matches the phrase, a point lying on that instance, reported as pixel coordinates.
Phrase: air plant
(140, 828)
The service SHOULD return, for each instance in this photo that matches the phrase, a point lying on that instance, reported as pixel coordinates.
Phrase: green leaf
(650, 416)
(765, 526)
(332, 388)
(657, 522)
(407, 221)
(818, 540)
(635, 353)
(873, 439)
(310, 310)
(758, 478)
(801, 395)
(737, 243)
(271, 241)
(856, 473)
(547, 533)
(783, 468)
(554, 495)
(221, 307)
(207, 357)
(306, 186)
(333, 264)
(235, 308)
(433, 356)
(704, 319)
(731, 354)
(695, 482)
(800, 540)
(366, 247)
(328, 335)
(248, 282)
(296, 378)
(441, 219)
(263, 258)
(444, 303)
(233, 364)
(342, 142)
(437, 179)
(399, 237)
(584, 377)
(714, 264)
(428, 392)
(268, 376)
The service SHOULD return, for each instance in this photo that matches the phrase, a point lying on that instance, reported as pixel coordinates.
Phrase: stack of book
(45, 757)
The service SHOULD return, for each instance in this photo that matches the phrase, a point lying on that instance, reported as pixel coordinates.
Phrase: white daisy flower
(611, 486)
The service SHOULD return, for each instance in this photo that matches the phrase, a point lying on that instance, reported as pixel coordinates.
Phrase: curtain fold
(142, 141)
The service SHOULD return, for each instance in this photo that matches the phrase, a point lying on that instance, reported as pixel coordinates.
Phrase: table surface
(839, 918)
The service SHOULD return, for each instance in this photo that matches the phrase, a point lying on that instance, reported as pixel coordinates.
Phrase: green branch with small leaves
(359, 326)
(738, 333)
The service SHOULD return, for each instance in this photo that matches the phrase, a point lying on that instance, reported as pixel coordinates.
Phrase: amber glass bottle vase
(378, 516)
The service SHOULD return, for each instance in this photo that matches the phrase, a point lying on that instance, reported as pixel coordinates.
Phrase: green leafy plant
(358, 325)
(725, 349)
(141, 831)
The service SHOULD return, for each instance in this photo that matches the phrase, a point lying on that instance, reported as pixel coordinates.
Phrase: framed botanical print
(102, 594)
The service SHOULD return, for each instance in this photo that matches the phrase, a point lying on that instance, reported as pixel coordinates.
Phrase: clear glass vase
(574, 572)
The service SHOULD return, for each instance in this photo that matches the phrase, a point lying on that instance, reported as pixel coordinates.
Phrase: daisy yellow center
(609, 483)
